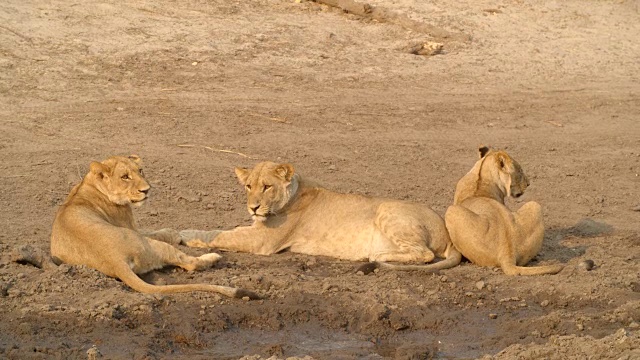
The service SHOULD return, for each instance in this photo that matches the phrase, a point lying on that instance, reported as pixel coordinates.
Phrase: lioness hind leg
(471, 235)
(172, 256)
(402, 237)
(530, 228)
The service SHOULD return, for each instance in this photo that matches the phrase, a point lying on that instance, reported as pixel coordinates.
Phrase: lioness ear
(242, 174)
(285, 171)
(99, 169)
(483, 150)
(502, 160)
(136, 159)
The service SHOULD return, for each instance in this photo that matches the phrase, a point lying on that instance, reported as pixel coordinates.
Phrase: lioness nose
(254, 208)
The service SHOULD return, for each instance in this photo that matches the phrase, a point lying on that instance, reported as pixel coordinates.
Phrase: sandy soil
(358, 103)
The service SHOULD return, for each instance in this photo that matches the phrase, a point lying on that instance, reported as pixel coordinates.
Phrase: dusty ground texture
(357, 103)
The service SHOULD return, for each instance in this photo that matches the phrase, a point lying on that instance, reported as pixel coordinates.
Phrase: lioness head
(269, 187)
(507, 169)
(120, 179)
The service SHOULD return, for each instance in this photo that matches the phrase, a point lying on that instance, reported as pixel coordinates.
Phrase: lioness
(95, 227)
(291, 213)
(481, 226)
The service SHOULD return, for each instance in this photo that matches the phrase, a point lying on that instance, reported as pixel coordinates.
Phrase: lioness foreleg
(167, 235)
(249, 239)
(198, 238)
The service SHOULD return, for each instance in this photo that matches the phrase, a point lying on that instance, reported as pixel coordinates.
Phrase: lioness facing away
(95, 227)
(481, 226)
(291, 213)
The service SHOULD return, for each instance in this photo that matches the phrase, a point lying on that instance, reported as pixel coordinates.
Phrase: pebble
(480, 285)
(443, 278)
(493, 316)
(544, 303)
(580, 327)
(587, 265)
(93, 353)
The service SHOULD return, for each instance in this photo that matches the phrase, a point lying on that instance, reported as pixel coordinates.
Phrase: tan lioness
(95, 227)
(481, 226)
(291, 213)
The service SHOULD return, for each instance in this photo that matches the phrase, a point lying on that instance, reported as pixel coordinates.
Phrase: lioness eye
(126, 177)
(266, 187)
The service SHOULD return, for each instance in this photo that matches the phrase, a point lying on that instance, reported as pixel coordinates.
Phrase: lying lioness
(95, 227)
(290, 213)
(481, 226)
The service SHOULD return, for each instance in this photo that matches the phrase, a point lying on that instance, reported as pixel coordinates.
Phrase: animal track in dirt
(382, 15)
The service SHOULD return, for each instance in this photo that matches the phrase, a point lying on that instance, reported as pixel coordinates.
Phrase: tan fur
(95, 227)
(292, 214)
(484, 230)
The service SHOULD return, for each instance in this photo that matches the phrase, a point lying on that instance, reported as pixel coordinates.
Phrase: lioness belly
(339, 242)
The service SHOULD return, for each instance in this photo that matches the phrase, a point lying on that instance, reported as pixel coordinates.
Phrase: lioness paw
(207, 260)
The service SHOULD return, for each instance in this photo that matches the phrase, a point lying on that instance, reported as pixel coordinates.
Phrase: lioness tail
(132, 280)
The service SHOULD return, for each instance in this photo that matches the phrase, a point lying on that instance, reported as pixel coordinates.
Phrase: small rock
(634, 325)
(332, 167)
(93, 353)
(443, 278)
(493, 316)
(544, 303)
(480, 285)
(636, 208)
(246, 298)
(587, 265)
(580, 327)
(120, 108)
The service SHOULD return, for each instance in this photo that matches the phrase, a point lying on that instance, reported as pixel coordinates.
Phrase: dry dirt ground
(357, 101)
